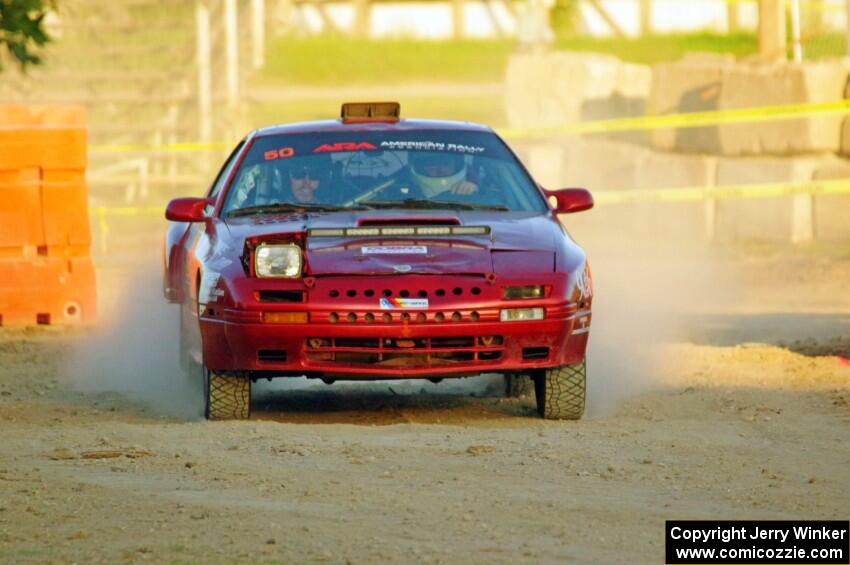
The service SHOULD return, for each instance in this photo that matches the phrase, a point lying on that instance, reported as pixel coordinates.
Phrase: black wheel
(517, 386)
(228, 397)
(560, 392)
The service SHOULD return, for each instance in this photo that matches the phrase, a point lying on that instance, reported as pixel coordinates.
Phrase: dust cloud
(134, 351)
(650, 290)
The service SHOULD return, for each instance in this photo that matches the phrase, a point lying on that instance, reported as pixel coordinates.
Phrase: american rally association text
(756, 533)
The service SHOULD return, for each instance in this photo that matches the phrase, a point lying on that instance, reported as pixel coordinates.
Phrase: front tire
(560, 392)
(228, 397)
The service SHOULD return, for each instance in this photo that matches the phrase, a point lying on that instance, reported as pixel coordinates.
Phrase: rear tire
(560, 392)
(228, 397)
(517, 386)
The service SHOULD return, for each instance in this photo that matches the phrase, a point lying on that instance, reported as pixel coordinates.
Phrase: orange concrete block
(48, 147)
(50, 137)
(46, 272)
(79, 301)
(65, 212)
(28, 115)
(20, 211)
(47, 292)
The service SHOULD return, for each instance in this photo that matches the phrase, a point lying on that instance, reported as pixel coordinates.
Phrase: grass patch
(659, 48)
(824, 46)
(330, 60)
(335, 60)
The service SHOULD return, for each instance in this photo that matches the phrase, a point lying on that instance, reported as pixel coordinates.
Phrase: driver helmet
(436, 172)
(316, 167)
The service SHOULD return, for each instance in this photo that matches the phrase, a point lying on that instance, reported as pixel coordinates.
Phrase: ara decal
(343, 146)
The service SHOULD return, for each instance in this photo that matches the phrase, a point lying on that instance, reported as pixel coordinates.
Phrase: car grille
(410, 316)
(405, 352)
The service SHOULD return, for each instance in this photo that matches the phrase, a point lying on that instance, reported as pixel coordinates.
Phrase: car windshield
(417, 169)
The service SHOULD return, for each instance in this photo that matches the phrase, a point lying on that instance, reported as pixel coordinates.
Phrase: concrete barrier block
(581, 79)
(657, 170)
(545, 162)
(670, 170)
(708, 58)
(686, 87)
(746, 86)
(552, 88)
(844, 143)
(522, 100)
(601, 165)
(628, 99)
(831, 212)
(761, 218)
(633, 81)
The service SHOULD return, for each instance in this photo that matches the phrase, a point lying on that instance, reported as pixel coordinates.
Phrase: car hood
(519, 240)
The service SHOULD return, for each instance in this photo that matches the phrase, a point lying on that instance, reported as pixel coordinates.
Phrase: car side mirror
(569, 200)
(187, 209)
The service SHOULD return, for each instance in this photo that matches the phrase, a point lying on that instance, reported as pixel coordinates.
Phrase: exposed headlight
(521, 314)
(523, 292)
(277, 261)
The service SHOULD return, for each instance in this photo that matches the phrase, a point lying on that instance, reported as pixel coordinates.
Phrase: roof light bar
(362, 112)
(399, 230)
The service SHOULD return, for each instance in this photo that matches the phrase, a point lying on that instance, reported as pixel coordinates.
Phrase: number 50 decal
(282, 153)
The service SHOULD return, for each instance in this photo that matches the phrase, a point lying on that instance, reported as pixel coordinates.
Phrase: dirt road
(346, 474)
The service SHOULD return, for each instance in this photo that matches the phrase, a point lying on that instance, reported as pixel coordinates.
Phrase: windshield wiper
(289, 207)
(425, 203)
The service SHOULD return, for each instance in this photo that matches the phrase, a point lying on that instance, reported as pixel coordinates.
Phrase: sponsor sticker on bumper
(400, 303)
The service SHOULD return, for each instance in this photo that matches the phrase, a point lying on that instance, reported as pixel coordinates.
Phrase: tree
(22, 29)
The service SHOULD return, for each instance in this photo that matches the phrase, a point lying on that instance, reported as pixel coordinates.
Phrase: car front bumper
(239, 341)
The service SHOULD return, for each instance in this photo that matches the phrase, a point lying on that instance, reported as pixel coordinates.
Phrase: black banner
(694, 542)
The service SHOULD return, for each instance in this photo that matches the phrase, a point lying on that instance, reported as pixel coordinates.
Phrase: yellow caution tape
(805, 5)
(697, 193)
(814, 5)
(164, 147)
(608, 197)
(127, 210)
(687, 120)
(637, 123)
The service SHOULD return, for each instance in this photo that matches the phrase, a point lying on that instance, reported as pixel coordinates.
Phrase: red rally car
(373, 247)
